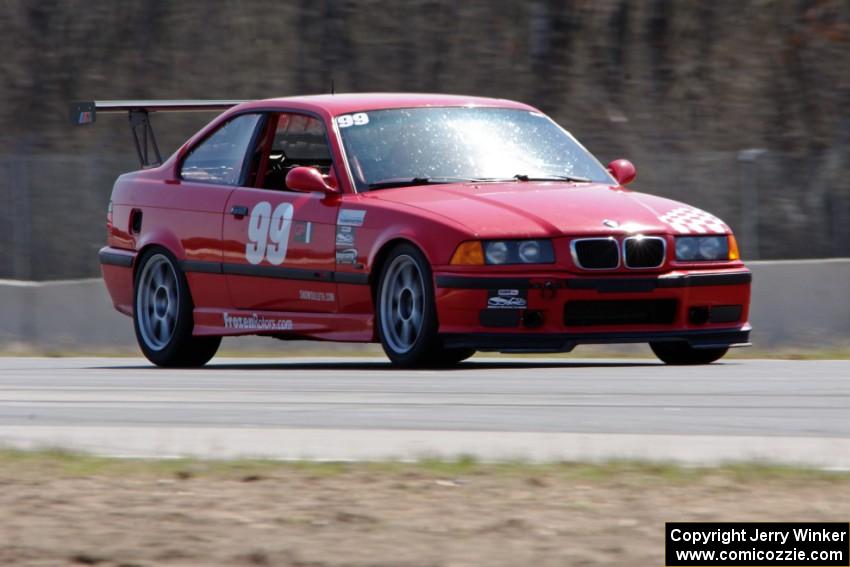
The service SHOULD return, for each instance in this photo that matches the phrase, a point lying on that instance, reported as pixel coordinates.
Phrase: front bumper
(706, 309)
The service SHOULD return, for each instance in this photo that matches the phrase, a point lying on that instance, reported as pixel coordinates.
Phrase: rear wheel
(162, 314)
(681, 353)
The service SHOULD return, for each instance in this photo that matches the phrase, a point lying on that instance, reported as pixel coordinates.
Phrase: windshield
(412, 146)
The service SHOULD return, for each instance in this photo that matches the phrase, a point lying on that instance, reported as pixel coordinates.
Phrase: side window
(219, 158)
(298, 140)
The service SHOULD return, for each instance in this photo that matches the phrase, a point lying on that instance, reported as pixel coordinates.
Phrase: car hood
(530, 209)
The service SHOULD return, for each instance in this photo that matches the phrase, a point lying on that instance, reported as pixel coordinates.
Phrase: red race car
(437, 225)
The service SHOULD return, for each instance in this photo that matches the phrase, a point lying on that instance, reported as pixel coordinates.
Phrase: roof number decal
(358, 119)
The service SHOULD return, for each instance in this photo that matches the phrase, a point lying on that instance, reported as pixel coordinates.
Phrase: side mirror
(623, 171)
(308, 180)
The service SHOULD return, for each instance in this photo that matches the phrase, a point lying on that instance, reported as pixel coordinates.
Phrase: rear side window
(298, 140)
(302, 139)
(220, 157)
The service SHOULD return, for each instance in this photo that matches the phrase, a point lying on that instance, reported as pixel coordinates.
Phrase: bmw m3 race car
(438, 225)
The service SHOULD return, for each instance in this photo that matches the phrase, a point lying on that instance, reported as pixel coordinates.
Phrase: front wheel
(452, 356)
(681, 353)
(162, 314)
(407, 316)
(407, 312)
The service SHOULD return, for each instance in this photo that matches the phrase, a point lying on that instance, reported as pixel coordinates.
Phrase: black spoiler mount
(85, 112)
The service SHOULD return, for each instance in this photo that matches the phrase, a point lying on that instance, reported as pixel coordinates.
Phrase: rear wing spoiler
(138, 111)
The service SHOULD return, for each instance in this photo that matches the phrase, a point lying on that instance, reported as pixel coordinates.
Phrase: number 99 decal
(358, 119)
(268, 233)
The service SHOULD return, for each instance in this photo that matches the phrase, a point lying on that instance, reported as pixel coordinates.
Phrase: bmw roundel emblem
(610, 223)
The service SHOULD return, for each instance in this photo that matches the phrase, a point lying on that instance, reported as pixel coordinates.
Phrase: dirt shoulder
(68, 510)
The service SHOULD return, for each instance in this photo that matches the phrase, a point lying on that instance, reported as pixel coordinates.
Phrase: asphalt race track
(494, 409)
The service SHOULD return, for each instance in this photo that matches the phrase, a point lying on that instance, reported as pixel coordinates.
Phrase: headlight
(529, 251)
(714, 248)
(503, 252)
(687, 248)
(496, 252)
(519, 252)
(702, 248)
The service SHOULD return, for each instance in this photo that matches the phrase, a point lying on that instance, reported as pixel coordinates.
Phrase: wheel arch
(147, 247)
(165, 240)
(380, 258)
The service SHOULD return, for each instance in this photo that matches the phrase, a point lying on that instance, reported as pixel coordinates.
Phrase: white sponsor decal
(347, 256)
(357, 119)
(499, 302)
(268, 233)
(507, 299)
(256, 322)
(350, 217)
(344, 235)
(688, 220)
(310, 295)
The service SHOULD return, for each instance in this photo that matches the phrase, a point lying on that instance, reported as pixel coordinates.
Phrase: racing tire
(451, 356)
(162, 314)
(406, 311)
(683, 354)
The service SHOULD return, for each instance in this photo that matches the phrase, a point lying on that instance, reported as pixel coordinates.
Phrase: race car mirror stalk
(308, 180)
(623, 171)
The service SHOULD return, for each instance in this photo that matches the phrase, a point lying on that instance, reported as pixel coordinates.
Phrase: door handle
(238, 211)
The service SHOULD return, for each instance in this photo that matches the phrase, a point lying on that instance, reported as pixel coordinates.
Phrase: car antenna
(332, 86)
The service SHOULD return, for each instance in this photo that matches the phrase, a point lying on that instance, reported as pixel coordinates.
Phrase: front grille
(596, 253)
(644, 251)
(620, 312)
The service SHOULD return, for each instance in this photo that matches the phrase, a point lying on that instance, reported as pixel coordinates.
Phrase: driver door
(279, 245)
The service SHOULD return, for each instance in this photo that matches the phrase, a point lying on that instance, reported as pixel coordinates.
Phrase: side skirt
(284, 324)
